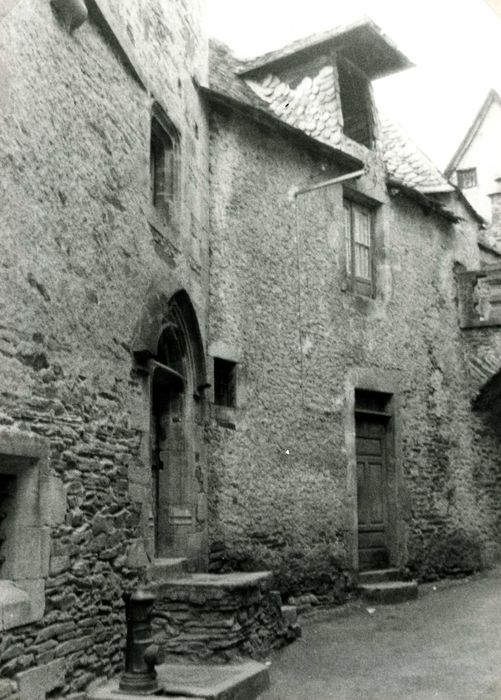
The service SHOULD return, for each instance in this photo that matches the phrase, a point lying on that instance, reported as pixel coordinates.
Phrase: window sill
(19, 607)
(226, 416)
(166, 227)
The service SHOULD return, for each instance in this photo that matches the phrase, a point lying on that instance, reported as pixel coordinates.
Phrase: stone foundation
(219, 618)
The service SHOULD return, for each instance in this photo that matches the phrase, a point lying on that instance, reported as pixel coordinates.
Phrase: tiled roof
(406, 163)
(223, 77)
(314, 108)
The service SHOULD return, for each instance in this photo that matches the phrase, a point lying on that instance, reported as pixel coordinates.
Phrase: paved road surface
(444, 646)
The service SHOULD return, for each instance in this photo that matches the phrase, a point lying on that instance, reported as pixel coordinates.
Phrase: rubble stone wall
(219, 618)
(281, 461)
(79, 258)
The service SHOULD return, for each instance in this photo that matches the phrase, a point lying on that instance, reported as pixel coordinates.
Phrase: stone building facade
(229, 308)
(325, 365)
(98, 274)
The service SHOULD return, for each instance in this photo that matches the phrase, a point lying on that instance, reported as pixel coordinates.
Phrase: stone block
(55, 500)
(29, 556)
(136, 555)
(59, 564)
(35, 588)
(36, 682)
(138, 492)
(15, 606)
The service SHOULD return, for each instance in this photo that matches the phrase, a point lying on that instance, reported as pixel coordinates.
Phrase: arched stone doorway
(176, 420)
(175, 364)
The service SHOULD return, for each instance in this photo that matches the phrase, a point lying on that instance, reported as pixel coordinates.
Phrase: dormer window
(356, 103)
(467, 178)
(163, 165)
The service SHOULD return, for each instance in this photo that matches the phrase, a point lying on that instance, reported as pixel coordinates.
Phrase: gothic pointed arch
(167, 329)
(168, 347)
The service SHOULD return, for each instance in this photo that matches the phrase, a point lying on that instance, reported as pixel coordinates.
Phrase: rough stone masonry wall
(219, 618)
(78, 259)
(279, 493)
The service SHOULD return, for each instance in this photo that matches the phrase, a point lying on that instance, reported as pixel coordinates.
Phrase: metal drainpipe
(333, 181)
(293, 193)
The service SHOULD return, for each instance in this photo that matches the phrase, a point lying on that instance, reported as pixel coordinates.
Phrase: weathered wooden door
(171, 473)
(371, 492)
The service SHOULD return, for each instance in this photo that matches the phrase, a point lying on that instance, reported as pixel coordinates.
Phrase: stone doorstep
(182, 681)
(389, 592)
(232, 580)
(172, 568)
(378, 575)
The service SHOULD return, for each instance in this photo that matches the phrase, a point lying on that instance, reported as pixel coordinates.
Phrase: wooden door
(371, 492)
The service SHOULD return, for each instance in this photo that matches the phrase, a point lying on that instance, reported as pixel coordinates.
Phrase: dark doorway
(174, 428)
(372, 432)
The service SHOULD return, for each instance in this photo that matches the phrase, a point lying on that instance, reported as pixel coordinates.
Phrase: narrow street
(444, 646)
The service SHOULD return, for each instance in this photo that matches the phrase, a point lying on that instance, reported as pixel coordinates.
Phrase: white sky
(455, 44)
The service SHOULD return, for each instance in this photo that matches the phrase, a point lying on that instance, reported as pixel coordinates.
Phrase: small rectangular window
(163, 165)
(225, 393)
(358, 224)
(467, 178)
(161, 162)
(6, 486)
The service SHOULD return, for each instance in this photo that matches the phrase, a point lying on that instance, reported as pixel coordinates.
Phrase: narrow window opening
(225, 382)
(7, 482)
(356, 103)
(163, 166)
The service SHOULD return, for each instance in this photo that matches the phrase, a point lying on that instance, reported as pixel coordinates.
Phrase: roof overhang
(345, 161)
(427, 203)
(363, 43)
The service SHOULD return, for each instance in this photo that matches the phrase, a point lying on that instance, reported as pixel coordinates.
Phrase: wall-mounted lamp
(72, 13)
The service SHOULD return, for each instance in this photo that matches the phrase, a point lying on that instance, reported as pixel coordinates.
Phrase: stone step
(378, 575)
(165, 569)
(245, 681)
(389, 591)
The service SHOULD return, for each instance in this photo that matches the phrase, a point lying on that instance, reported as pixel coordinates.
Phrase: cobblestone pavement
(444, 646)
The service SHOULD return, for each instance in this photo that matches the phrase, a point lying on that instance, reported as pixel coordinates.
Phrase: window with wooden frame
(163, 165)
(467, 178)
(359, 245)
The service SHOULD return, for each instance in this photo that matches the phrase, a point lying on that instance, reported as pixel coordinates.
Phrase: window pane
(362, 226)
(362, 261)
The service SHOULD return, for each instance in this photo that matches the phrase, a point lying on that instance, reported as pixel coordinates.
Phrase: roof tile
(313, 107)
